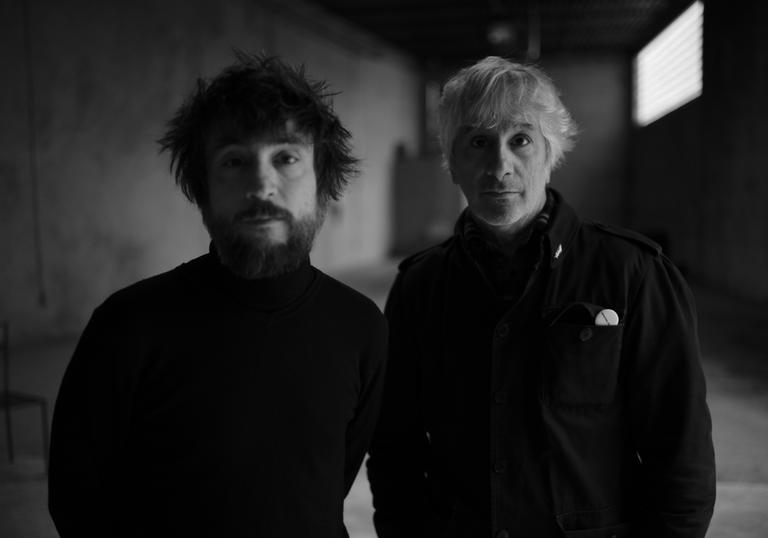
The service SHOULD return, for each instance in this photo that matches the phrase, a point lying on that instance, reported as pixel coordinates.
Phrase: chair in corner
(12, 399)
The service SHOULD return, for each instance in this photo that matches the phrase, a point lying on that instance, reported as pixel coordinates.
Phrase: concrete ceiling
(454, 31)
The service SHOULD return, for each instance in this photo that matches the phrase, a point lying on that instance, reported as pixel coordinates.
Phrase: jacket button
(502, 330)
(585, 334)
(500, 466)
(502, 534)
(500, 397)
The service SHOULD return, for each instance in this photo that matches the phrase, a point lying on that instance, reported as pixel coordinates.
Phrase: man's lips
(499, 193)
(259, 220)
(262, 213)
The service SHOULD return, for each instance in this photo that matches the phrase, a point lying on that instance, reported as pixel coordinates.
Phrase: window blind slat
(668, 70)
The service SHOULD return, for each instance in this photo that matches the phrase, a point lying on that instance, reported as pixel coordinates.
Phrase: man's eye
(286, 158)
(233, 162)
(519, 141)
(479, 142)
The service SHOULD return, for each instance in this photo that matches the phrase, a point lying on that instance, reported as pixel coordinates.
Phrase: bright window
(668, 69)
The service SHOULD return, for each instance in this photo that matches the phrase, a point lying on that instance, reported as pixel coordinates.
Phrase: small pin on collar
(558, 251)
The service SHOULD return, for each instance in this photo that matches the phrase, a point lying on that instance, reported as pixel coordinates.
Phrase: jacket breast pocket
(582, 363)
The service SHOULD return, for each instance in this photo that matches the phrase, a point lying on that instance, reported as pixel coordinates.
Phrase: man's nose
(502, 162)
(261, 181)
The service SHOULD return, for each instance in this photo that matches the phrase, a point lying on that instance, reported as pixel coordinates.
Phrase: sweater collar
(267, 294)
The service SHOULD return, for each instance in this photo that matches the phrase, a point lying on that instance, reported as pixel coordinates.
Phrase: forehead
(228, 132)
(500, 127)
(504, 117)
(499, 107)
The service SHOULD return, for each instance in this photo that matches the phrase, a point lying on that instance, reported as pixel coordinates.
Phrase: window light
(668, 69)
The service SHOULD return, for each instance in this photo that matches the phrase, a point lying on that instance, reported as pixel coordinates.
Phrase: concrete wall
(106, 76)
(595, 89)
(734, 198)
(666, 180)
(700, 172)
(426, 204)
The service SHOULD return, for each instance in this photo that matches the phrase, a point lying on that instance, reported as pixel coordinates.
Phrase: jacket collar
(561, 231)
(560, 228)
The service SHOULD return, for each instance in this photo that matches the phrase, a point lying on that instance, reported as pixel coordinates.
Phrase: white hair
(495, 93)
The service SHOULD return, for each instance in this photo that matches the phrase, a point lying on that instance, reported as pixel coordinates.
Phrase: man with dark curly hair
(219, 398)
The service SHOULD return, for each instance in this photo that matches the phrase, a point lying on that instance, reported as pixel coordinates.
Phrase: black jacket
(526, 418)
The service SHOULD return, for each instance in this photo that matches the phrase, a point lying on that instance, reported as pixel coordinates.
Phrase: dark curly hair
(259, 94)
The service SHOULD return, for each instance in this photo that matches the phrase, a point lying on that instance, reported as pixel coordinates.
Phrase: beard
(252, 257)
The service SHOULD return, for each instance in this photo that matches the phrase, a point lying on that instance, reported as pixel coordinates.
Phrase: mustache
(263, 210)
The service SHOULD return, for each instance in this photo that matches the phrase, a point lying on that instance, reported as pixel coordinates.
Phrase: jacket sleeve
(88, 423)
(361, 427)
(398, 453)
(671, 425)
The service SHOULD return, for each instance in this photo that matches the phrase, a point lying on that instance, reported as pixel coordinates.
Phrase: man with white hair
(544, 376)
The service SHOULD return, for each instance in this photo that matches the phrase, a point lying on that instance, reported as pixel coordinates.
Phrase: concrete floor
(735, 354)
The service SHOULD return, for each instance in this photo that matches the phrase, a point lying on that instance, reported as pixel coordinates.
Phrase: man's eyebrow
(517, 125)
(522, 125)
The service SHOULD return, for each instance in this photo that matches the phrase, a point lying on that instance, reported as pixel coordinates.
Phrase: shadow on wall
(425, 203)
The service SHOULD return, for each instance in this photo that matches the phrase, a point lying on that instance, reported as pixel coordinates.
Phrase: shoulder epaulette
(420, 255)
(631, 235)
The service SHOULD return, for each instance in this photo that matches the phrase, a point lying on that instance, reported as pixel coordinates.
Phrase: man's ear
(453, 177)
(548, 156)
(548, 172)
(447, 164)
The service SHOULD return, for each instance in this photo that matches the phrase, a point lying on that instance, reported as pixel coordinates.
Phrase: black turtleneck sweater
(201, 404)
